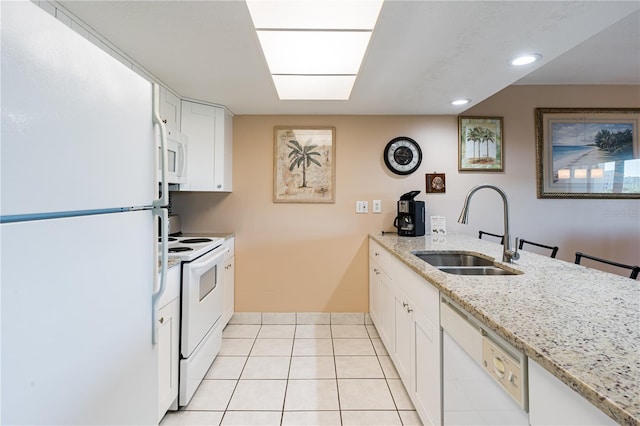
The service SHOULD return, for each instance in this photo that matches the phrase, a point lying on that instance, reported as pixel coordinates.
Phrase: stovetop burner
(196, 240)
(179, 249)
(170, 239)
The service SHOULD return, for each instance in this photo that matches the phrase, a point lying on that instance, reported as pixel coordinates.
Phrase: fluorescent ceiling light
(458, 102)
(322, 42)
(314, 87)
(315, 14)
(526, 59)
(314, 52)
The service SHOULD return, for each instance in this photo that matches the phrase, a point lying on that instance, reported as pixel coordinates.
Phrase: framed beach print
(587, 152)
(304, 165)
(480, 141)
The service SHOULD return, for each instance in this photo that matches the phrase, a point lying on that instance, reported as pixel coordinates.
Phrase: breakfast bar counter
(580, 324)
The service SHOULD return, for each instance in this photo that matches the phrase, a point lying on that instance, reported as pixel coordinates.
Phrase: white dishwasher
(484, 378)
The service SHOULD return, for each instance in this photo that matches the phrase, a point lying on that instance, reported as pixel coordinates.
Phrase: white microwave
(176, 157)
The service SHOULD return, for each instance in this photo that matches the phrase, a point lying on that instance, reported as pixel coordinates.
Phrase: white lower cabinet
(426, 364)
(410, 330)
(551, 402)
(228, 282)
(168, 343)
(401, 348)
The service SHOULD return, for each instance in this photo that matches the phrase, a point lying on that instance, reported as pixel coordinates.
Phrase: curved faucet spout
(508, 255)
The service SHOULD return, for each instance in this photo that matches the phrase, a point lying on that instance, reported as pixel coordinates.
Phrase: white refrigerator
(78, 229)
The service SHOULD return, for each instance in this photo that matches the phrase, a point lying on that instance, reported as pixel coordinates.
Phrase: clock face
(402, 155)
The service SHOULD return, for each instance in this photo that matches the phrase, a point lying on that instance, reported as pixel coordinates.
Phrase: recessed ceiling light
(526, 59)
(460, 102)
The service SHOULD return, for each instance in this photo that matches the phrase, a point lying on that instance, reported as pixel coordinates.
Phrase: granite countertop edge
(609, 399)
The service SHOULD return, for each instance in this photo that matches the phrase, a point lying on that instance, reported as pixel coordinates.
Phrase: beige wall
(313, 257)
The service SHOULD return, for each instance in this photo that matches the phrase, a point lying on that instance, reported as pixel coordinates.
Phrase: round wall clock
(402, 155)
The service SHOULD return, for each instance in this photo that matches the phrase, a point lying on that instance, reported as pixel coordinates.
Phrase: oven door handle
(206, 261)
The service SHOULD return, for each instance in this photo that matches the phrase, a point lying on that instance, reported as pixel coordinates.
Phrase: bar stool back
(554, 249)
(481, 233)
(635, 269)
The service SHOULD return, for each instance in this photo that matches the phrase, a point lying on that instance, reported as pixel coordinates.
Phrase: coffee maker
(411, 216)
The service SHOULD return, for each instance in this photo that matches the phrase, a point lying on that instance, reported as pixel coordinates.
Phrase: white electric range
(202, 259)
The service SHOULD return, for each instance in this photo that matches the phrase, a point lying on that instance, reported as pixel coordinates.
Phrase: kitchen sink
(461, 263)
(452, 258)
(475, 270)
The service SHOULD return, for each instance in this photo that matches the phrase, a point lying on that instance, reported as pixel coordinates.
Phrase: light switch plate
(377, 206)
(362, 207)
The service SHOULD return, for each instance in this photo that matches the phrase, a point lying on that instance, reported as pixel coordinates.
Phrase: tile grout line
(241, 371)
(335, 369)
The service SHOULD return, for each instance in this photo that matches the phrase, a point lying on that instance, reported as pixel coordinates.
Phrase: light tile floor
(311, 374)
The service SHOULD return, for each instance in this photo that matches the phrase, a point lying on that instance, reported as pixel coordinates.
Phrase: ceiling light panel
(314, 52)
(315, 14)
(314, 87)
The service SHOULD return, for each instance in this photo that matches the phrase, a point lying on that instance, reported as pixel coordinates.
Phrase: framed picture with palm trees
(587, 152)
(480, 144)
(304, 165)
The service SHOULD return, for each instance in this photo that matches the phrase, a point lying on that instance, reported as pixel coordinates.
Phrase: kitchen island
(582, 325)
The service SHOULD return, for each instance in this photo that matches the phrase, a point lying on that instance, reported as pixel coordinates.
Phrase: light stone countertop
(581, 324)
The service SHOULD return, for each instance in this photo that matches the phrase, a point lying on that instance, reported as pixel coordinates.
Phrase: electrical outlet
(377, 206)
(362, 206)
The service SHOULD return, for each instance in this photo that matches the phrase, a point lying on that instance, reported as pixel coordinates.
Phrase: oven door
(201, 298)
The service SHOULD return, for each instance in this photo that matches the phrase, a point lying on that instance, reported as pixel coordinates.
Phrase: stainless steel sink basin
(476, 270)
(453, 258)
(460, 263)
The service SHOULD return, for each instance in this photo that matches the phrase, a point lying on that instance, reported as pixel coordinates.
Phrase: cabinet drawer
(231, 244)
(379, 255)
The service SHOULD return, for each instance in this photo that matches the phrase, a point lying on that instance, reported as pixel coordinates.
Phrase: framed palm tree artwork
(587, 152)
(304, 165)
(480, 144)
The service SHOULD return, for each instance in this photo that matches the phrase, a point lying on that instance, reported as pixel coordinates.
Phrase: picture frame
(435, 183)
(304, 164)
(480, 144)
(587, 152)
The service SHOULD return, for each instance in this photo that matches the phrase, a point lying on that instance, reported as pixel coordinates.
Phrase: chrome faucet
(508, 255)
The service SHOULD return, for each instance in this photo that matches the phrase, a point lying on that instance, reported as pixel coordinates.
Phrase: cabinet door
(374, 294)
(168, 352)
(386, 310)
(425, 389)
(210, 147)
(402, 336)
(228, 283)
(169, 108)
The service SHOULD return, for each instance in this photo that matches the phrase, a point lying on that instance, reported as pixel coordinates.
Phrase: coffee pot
(410, 220)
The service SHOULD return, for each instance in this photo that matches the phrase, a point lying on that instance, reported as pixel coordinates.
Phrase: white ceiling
(422, 53)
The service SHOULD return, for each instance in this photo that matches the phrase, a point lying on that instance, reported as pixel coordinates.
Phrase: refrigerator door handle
(155, 298)
(164, 187)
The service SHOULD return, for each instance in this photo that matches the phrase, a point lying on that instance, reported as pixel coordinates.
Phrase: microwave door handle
(164, 187)
(155, 298)
(206, 262)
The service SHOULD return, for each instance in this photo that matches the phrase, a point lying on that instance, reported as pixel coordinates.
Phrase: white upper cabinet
(169, 108)
(209, 157)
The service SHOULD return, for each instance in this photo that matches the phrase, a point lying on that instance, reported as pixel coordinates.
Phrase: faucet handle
(516, 255)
